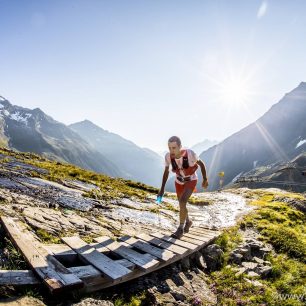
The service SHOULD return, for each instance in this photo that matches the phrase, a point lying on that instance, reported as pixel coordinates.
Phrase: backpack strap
(185, 162)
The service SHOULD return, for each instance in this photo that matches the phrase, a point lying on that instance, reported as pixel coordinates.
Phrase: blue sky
(148, 70)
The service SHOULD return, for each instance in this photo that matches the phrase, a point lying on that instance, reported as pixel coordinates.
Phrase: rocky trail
(52, 209)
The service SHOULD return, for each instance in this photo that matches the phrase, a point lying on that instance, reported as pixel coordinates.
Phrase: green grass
(46, 237)
(281, 225)
(198, 201)
(13, 258)
(109, 188)
(284, 228)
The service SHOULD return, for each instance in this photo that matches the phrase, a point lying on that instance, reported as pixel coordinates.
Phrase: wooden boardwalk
(75, 264)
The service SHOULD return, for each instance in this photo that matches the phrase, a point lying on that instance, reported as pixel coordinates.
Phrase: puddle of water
(225, 210)
(141, 217)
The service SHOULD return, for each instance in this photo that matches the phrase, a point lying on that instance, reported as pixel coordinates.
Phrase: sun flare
(235, 92)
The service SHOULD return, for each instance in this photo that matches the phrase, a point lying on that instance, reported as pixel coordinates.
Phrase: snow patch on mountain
(301, 142)
(20, 117)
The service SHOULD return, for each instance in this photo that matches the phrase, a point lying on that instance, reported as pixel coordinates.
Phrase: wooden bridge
(76, 264)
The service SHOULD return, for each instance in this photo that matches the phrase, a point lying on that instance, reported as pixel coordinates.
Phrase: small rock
(249, 265)
(91, 302)
(266, 262)
(185, 263)
(178, 296)
(262, 252)
(236, 258)
(213, 256)
(200, 261)
(258, 260)
(246, 253)
(264, 271)
(255, 283)
(240, 271)
(253, 274)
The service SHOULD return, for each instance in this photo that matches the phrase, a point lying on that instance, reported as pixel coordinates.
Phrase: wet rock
(56, 221)
(213, 256)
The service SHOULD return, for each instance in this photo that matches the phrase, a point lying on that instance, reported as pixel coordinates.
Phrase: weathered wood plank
(27, 277)
(204, 231)
(178, 242)
(109, 267)
(187, 239)
(126, 263)
(53, 274)
(198, 236)
(148, 248)
(162, 244)
(142, 261)
(18, 278)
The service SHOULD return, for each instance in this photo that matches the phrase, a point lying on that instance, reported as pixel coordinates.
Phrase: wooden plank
(18, 278)
(162, 244)
(148, 248)
(197, 237)
(109, 267)
(126, 263)
(53, 274)
(204, 231)
(143, 261)
(87, 273)
(191, 240)
(203, 235)
(138, 273)
(102, 249)
(187, 239)
(178, 242)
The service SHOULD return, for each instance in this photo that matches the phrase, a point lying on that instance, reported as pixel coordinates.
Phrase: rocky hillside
(291, 175)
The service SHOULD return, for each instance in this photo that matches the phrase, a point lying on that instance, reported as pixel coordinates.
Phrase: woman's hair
(176, 139)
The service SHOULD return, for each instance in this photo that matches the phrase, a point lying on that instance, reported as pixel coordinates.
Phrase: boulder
(213, 256)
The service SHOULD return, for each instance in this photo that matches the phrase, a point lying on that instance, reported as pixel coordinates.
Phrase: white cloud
(262, 9)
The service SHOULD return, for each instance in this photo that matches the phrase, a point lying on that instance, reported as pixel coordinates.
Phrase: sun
(235, 92)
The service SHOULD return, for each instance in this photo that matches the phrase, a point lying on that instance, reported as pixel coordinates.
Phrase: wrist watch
(204, 179)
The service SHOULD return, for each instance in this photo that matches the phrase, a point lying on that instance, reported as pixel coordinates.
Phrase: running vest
(185, 166)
